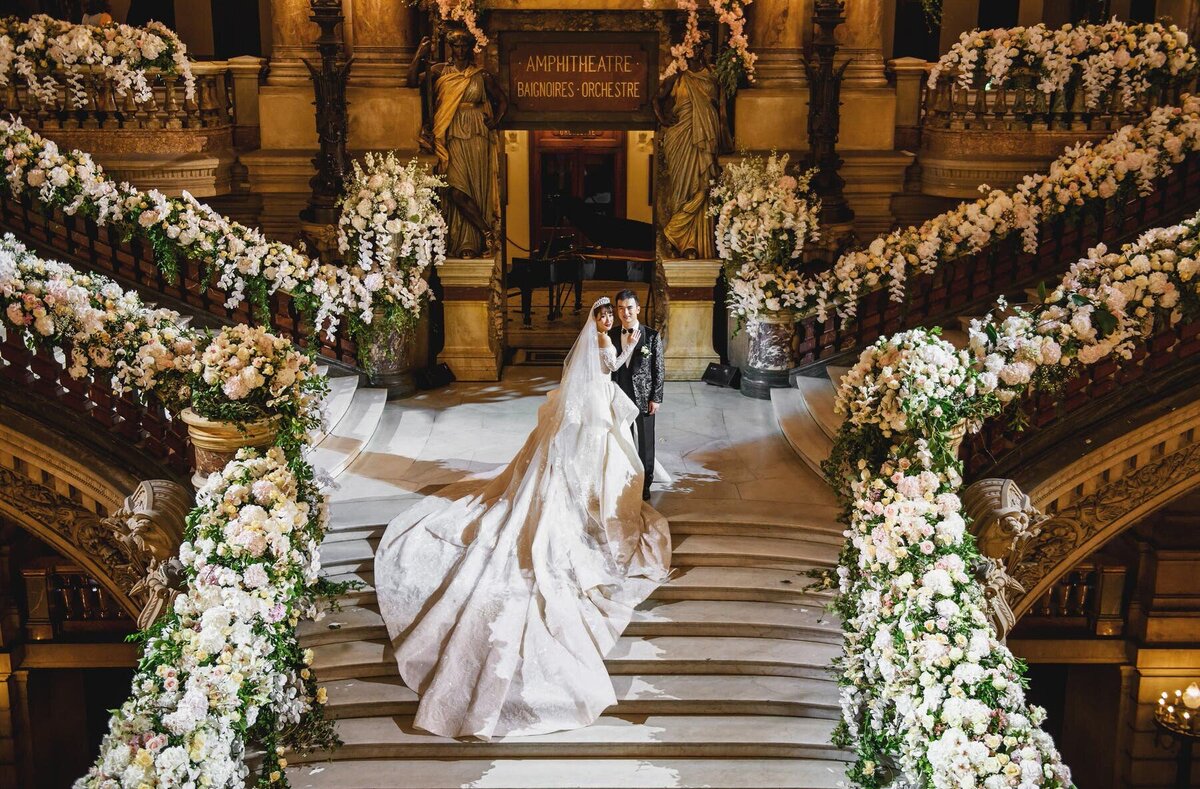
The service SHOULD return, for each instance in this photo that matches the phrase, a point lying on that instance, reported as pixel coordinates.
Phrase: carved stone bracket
(130, 552)
(1005, 523)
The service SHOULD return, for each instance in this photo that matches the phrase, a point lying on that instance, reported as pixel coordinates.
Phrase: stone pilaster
(860, 40)
(910, 74)
(777, 34)
(472, 349)
(690, 291)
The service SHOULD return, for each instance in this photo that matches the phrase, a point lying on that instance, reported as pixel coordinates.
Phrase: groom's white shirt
(627, 340)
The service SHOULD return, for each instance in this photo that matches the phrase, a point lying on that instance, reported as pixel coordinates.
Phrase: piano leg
(527, 305)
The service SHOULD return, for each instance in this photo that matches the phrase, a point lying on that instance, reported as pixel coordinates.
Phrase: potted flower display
(391, 231)
(250, 388)
(764, 217)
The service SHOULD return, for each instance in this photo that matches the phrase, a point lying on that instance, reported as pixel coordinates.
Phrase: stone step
(613, 773)
(346, 440)
(646, 694)
(800, 428)
(652, 620)
(371, 656)
(654, 736)
(337, 403)
(383, 470)
(688, 583)
(702, 550)
(697, 550)
(819, 395)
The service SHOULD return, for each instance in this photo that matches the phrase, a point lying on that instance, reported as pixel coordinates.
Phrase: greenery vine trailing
(930, 697)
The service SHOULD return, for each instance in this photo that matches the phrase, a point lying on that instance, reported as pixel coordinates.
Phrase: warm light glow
(1191, 697)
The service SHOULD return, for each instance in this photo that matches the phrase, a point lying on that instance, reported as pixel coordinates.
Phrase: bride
(501, 605)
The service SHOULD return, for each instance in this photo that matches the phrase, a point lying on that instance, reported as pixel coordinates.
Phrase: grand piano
(595, 246)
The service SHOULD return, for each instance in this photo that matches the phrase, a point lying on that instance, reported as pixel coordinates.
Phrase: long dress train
(502, 605)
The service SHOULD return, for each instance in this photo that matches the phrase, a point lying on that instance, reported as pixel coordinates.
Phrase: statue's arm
(418, 68)
(498, 97)
(663, 105)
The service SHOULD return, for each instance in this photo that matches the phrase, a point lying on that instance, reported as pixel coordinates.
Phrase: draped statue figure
(468, 104)
(690, 106)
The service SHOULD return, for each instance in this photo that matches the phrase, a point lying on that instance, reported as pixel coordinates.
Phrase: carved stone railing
(970, 285)
(89, 247)
(972, 136)
(169, 141)
(145, 426)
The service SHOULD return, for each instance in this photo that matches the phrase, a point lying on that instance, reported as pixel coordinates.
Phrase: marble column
(860, 40)
(384, 34)
(777, 35)
(293, 36)
(690, 289)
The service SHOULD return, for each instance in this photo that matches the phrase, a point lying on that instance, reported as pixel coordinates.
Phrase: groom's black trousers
(643, 431)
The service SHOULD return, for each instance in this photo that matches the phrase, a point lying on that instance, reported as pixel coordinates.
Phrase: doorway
(584, 200)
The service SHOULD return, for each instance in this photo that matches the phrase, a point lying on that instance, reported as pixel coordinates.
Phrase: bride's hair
(602, 307)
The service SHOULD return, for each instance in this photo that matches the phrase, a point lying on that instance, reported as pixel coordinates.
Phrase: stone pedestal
(910, 75)
(472, 349)
(690, 290)
(244, 72)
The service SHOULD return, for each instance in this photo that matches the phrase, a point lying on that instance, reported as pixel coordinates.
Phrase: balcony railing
(167, 107)
(1091, 600)
(63, 601)
(969, 285)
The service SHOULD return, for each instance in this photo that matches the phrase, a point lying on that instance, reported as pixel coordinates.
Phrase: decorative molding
(1031, 541)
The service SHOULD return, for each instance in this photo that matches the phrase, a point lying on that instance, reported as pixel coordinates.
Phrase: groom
(641, 377)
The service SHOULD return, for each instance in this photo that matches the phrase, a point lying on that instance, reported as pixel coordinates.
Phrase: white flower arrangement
(241, 261)
(731, 14)
(1101, 59)
(765, 216)
(1133, 157)
(392, 231)
(42, 50)
(225, 666)
(922, 667)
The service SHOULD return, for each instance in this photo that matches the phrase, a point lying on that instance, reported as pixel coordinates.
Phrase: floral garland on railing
(41, 48)
(1114, 56)
(930, 697)
(224, 666)
(239, 260)
(392, 231)
(764, 216)
(1133, 157)
(735, 61)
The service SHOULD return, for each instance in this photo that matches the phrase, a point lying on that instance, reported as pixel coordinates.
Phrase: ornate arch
(1033, 540)
(123, 532)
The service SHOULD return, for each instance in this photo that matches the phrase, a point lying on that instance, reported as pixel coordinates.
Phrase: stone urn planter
(771, 356)
(386, 355)
(216, 442)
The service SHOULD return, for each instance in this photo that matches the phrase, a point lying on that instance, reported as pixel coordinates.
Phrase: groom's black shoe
(645, 495)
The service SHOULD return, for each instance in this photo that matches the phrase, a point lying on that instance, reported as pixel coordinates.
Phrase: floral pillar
(690, 285)
(771, 357)
(472, 349)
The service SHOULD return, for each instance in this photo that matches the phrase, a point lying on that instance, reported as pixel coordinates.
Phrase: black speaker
(722, 375)
(433, 377)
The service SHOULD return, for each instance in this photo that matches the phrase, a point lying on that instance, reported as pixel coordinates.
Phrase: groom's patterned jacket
(646, 371)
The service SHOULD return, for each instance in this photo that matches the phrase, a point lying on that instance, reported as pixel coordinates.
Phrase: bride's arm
(608, 354)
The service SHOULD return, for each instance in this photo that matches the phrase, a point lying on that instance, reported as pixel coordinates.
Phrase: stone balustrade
(973, 136)
(169, 141)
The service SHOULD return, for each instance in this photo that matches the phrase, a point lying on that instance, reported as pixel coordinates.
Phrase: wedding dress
(501, 605)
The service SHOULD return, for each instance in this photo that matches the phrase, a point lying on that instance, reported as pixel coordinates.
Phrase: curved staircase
(723, 675)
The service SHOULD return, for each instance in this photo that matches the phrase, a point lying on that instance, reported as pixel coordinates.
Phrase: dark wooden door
(589, 166)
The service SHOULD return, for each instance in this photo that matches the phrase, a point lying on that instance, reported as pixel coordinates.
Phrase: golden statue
(690, 106)
(468, 104)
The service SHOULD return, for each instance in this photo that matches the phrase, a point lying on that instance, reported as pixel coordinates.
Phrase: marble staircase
(723, 677)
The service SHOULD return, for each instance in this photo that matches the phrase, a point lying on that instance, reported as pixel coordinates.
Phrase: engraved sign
(579, 76)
